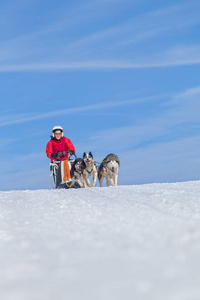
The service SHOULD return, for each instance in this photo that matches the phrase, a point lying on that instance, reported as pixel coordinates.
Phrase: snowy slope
(126, 242)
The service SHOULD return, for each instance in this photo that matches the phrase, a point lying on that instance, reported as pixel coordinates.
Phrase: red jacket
(63, 144)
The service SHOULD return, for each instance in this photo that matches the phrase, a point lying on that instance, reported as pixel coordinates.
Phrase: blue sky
(118, 76)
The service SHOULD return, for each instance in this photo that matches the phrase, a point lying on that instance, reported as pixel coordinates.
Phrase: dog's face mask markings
(78, 167)
(112, 165)
(87, 158)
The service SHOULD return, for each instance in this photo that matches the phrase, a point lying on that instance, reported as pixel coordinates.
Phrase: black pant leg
(57, 176)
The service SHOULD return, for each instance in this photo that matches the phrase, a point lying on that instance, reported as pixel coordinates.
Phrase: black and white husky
(109, 169)
(89, 168)
(76, 171)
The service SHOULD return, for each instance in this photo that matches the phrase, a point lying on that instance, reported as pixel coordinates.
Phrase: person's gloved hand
(55, 154)
(71, 152)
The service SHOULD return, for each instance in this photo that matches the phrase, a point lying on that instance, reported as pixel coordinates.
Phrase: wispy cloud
(58, 47)
(162, 60)
(22, 118)
(180, 111)
(179, 108)
(161, 162)
(141, 27)
(192, 94)
(6, 143)
(186, 106)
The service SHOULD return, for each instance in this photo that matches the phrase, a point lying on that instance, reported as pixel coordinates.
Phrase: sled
(60, 171)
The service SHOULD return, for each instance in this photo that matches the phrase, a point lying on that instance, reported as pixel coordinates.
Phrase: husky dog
(76, 171)
(109, 169)
(89, 168)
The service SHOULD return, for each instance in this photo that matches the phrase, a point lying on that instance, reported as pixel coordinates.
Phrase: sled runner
(60, 170)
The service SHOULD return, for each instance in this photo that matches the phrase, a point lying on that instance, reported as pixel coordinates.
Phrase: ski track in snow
(126, 242)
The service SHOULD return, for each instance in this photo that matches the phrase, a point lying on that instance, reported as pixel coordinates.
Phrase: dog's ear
(90, 153)
(84, 154)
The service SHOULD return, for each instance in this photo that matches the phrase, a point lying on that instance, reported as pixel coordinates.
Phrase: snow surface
(125, 242)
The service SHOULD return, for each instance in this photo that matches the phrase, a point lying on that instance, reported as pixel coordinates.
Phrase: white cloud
(141, 27)
(186, 106)
(160, 62)
(180, 111)
(22, 118)
(105, 49)
(187, 95)
(162, 162)
(31, 178)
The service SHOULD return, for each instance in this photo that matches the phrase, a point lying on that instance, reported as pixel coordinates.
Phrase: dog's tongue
(114, 170)
(87, 162)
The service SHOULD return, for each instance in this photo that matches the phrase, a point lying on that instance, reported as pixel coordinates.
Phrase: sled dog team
(83, 168)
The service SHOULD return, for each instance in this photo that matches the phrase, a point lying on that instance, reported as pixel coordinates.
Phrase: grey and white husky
(89, 168)
(109, 169)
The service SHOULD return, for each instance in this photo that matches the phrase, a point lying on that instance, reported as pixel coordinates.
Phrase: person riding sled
(58, 150)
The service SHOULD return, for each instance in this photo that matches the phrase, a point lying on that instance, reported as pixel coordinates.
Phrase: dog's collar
(78, 171)
(89, 172)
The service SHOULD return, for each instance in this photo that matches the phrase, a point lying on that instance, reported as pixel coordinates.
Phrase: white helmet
(55, 128)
